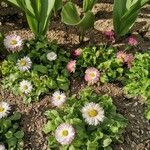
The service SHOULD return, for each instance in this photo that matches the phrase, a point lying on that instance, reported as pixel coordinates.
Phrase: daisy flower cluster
(77, 122)
(125, 58)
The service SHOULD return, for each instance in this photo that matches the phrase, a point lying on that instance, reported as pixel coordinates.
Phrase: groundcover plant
(103, 64)
(137, 81)
(36, 69)
(87, 121)
(11, 136)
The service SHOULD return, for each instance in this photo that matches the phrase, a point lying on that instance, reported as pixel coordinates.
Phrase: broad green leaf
(69, 14)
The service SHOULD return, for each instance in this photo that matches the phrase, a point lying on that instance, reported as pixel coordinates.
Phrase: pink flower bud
(110, 36)
(132, 41)
(71, 66)
(76, 53)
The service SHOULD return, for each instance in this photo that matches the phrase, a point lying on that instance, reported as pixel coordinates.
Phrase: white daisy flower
(51, 56)
(13, 43)
(2, 147)
(24, 64)
(65, 134)
(93, 113)
(4, 109)
(58, 98)
(25, 87)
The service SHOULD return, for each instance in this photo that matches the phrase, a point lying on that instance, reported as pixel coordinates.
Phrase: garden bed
(137, 133)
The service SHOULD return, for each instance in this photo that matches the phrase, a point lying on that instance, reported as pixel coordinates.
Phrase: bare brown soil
(137, 134)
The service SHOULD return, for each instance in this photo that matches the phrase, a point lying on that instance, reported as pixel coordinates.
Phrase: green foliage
(87, 137)
(44, 75)
(104, 59)
(10, 134)
(125, 13)
(70, 16)
(37, 13)
(138, 79)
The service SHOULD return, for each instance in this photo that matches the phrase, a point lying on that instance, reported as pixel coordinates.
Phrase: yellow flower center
(25, 87)
(58, 97)
(92, 75)
(65, 133)
(1, 109)
(23, 63)
(92, 113)
(13, 42)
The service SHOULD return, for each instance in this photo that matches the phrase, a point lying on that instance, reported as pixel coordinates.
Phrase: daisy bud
(71, 66)
(121, 56)
(132, 41)
(110, 36)
(76, 53)
(51, 56)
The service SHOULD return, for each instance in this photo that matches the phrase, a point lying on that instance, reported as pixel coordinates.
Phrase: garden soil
(137, 133)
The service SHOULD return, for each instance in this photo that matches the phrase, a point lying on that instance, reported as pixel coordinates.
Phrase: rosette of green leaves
(104, 59)
(138, 79)
(70, 16)
(125, 13)
(37, 13)
(87, 137)
(10, 134)
(44, 75)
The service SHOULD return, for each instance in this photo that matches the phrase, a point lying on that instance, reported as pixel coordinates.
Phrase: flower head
(4, 109)
(132, 41)
(65, 134)
(129, 60)
(24, 64)
(13, 43)
(110, 35)
(25, 86)
(92, 75)
(51, 56)
(76, 53)
(2, 147)
(71, 66)
(93, 113)
(58, 99)
(121, 56)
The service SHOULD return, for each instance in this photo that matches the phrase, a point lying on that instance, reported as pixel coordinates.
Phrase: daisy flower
(121, 56)
(24, 64)
(25, 86)
(65, 134)
(13, 43)
(71, 66)
(58, 99)
(93, 113)
(4, 109)
(132, 41)
(2, 147)
(51, 56)
(92, 75)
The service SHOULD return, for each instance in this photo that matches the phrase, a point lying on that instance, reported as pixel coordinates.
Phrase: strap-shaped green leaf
(58, 5)
(69, 14)
(46, 8)
(88, 4)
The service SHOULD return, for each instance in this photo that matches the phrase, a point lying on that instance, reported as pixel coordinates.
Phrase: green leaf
(107, 142)
(69, 14)
(88, 5)
(9, 134)
(15, 116)
(40, 68)
(19, 134)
